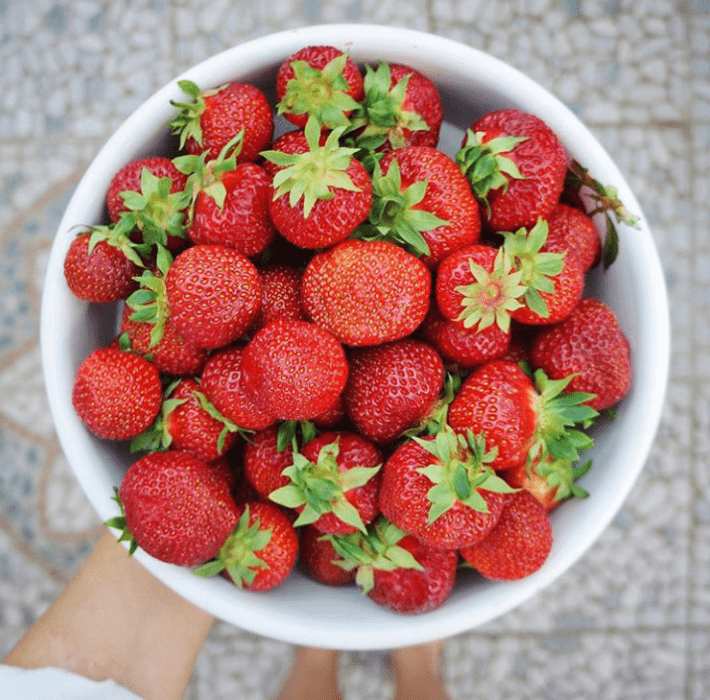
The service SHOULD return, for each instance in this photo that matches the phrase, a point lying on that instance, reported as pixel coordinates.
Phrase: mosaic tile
(700, 67)
(699, 678)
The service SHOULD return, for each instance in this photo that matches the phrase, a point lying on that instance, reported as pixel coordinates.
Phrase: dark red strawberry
(317, 555)
(518, 545)
(591, 346)
(334, 483)
(366, 292)
(318, 81)
(280, 294)
(116, 394)
(215, 117)
(516, 166)
(571, 229)
(392, 387)
(175, 508)
(260, 553)
(213, 293)
(294, 370)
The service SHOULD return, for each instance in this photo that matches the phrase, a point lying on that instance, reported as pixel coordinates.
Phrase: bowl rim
(256, 614)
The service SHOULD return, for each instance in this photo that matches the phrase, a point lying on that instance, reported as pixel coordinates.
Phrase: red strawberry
(332, 416)
(396, 570)
(442, 489)
(188, 422)
(213, 293)
(366, 292)
(223, 385)
(401, 107)
(516, 165)
(518, 545)
(280, 294)
(264, 462)
(590, 345)
(215, 117)
(116, 394)
(171, 354)
(260, 553)
(318, 81)
(392, 387)
(100, 265)
(334, 483)
(423, 202)
(571, 229)
(321, 194)
(317, 555)
(176, 508)
(225, 469)
(294, 370)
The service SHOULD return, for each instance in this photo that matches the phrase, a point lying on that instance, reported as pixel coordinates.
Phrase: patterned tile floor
(632, 618)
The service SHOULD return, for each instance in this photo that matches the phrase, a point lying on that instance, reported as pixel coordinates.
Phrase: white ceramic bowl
(471, 83)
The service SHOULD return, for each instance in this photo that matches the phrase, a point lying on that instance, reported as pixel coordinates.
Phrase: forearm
(115, 620)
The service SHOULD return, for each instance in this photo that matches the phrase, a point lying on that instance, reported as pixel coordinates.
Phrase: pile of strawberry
(342, 348)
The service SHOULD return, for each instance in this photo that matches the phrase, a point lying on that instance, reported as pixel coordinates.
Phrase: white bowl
(471, 83)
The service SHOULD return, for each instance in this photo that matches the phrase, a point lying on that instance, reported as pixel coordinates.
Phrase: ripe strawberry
(571, 229)
(280, 295)
(334, 483)
(401, 107)
(423, 202)
(518, 545)
(175, 508)
(188, 422)
(171, 355)
(215, 117)
(294, 370)
(366, 292)
(317, 557)
(591, 346)
(442, 489)
(396, 570)
(116, 394)
(321, 194)
(100, 265)
(516, 166)
(213, 294)
(260, 553)
(264, 462)
(392, 387)
(223, 385)
(318, 81)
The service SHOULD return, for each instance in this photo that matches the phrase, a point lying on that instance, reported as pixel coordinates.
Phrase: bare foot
(314, 676)
(417, 672)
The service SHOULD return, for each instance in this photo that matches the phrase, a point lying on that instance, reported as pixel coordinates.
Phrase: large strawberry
(322, 193)
(423, 202)
(366, 292)
(214, 117)
(334, 483)
(116, 394)
(590, 346)
(213, 293)
(321, 82)
(294, 370)
(261, 551)
(176, 508)
(516, 166)
(442, 489)
(518, 545)
(396, 570)
(392, 387)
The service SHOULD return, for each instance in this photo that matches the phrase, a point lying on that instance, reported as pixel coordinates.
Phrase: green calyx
(118, 235)
(186, 123)
(317, 173)
(320, 487)
(460, 470)
(537, 268)
(380, 117)
(290, 430)
(561, 475)
(238, 553)
(485, 165)
(206, 175)
(605, 199)
(375, 550)
(493, 296)
(319, 94)
(394, 215)
(119, 523)
(559, 412)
